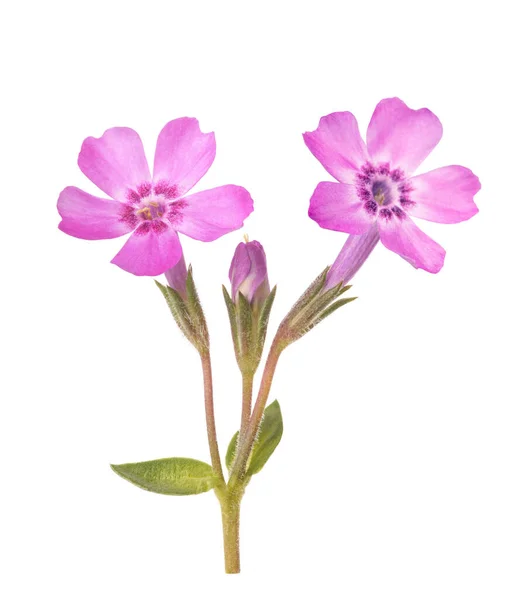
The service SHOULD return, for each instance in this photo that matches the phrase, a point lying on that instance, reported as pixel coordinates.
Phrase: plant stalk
(247, 439)
(230, 501)
(209, 413)
(247, 399)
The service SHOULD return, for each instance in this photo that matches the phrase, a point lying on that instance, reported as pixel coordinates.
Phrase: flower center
(383, 191)
(151, 208)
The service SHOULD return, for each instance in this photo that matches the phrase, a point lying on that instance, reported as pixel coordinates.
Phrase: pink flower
(248, 272)
(377, 193)
(155, 209)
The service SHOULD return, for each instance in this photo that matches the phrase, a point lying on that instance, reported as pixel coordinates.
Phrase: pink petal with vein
(208, 215)
(115, 162)
(402, 136)
(152, 248)
(90, 218)
(445, 195)
(338, 146)
(406, 239)
(184, 154)
(336, 206)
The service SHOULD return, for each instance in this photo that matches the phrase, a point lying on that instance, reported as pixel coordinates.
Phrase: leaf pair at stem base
(187, 476)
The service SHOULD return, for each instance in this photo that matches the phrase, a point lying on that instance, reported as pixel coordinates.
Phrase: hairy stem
(247, 399)
(230, 501)
(247, 439)
(209, 413)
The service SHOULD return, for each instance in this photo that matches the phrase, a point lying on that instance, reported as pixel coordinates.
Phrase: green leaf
(269, 436)
(171, 476)
(231, 450)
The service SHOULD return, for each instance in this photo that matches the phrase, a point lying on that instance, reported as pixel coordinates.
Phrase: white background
(404, 471)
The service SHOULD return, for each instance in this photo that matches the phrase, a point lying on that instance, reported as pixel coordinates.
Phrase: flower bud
(176, 277)
(248, 273)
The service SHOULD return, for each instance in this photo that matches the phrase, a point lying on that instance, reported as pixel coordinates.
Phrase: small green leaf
(171, 476)
(271, 430)
(231, 450)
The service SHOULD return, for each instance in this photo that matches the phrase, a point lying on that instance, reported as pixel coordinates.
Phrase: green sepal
(196, 312)
(268, 438)
(231, 311)
(244, 320)
(170, 476)
(231, 450)
(333, 307)
(263, 321)
(178, 310)
(248, 324)
(311, 292)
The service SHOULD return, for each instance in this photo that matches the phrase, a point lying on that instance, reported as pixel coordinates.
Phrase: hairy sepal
(188, 313)
(312, 307)
(248, 323)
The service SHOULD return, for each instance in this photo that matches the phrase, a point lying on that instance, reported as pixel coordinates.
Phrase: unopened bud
(248, 273)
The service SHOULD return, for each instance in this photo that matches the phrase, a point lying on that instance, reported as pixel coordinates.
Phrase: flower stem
(247, 399)
(230, 501)
(248, 438)
(209, 413)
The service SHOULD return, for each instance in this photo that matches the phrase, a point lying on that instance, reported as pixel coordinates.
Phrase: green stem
(209, 413)
(247, 399)
(230, 501)
(248, 438)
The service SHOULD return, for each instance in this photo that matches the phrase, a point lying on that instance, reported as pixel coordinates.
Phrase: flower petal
(402, 236)
(90, 218)
(208, 215)
(445, 195)
(402, 136)
(336, 206)
(115, 162)
(184, 154)
(354, 253)
(153, 248)
(338, 146)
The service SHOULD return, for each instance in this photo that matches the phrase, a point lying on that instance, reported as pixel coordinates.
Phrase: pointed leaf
(271, 430)
(231, 450)
(171, 476)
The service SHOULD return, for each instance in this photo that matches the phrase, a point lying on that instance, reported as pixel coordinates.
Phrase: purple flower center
(150, 203)
(383, 191)
(151, 208)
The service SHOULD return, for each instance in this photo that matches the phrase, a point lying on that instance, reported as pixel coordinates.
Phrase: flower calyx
(315, 304)
(187, 312)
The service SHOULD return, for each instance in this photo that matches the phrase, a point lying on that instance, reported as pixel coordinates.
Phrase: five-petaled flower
(377, 194)
(155, 209)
